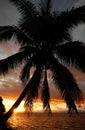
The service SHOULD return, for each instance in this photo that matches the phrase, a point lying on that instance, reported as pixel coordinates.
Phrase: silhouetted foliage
(44, 39)
(3, 123)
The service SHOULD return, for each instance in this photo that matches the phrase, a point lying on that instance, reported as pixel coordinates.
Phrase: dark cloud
(10, 85)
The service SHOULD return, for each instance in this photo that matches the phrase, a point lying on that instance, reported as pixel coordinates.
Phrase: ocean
(41, 121)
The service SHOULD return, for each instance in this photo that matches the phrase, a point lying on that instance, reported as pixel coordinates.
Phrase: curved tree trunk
(17, 103)
(21, 97)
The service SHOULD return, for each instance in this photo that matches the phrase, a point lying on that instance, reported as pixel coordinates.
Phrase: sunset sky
(10, 85)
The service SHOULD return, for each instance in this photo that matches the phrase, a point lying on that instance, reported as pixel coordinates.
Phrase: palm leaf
(65, 20)
(26, 8)
(73, 17)
(45, 95)
(12, 61)
(25, 73)
(6, 32)
(45, 7)
(73, 53)
(30, 49)
(67, 85)
(32, 93)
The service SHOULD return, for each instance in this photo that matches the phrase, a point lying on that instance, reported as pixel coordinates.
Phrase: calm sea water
(40, 121)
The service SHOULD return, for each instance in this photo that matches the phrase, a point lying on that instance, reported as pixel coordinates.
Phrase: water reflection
(41, 121)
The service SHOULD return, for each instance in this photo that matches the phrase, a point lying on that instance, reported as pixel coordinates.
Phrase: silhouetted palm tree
(45, 42)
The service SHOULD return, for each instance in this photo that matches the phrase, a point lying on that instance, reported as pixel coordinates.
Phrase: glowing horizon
(56, 105)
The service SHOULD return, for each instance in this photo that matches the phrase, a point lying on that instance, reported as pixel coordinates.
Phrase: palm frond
(73, 53)
(32, 93)
(25, 73)
(45, 95)
(29, 49)
(45, 7)
(12, 61)
(26, 8)
(6, 33)
(73, 17)
(67, 85)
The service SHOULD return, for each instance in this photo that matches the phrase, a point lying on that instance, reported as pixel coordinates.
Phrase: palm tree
(45, 44)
